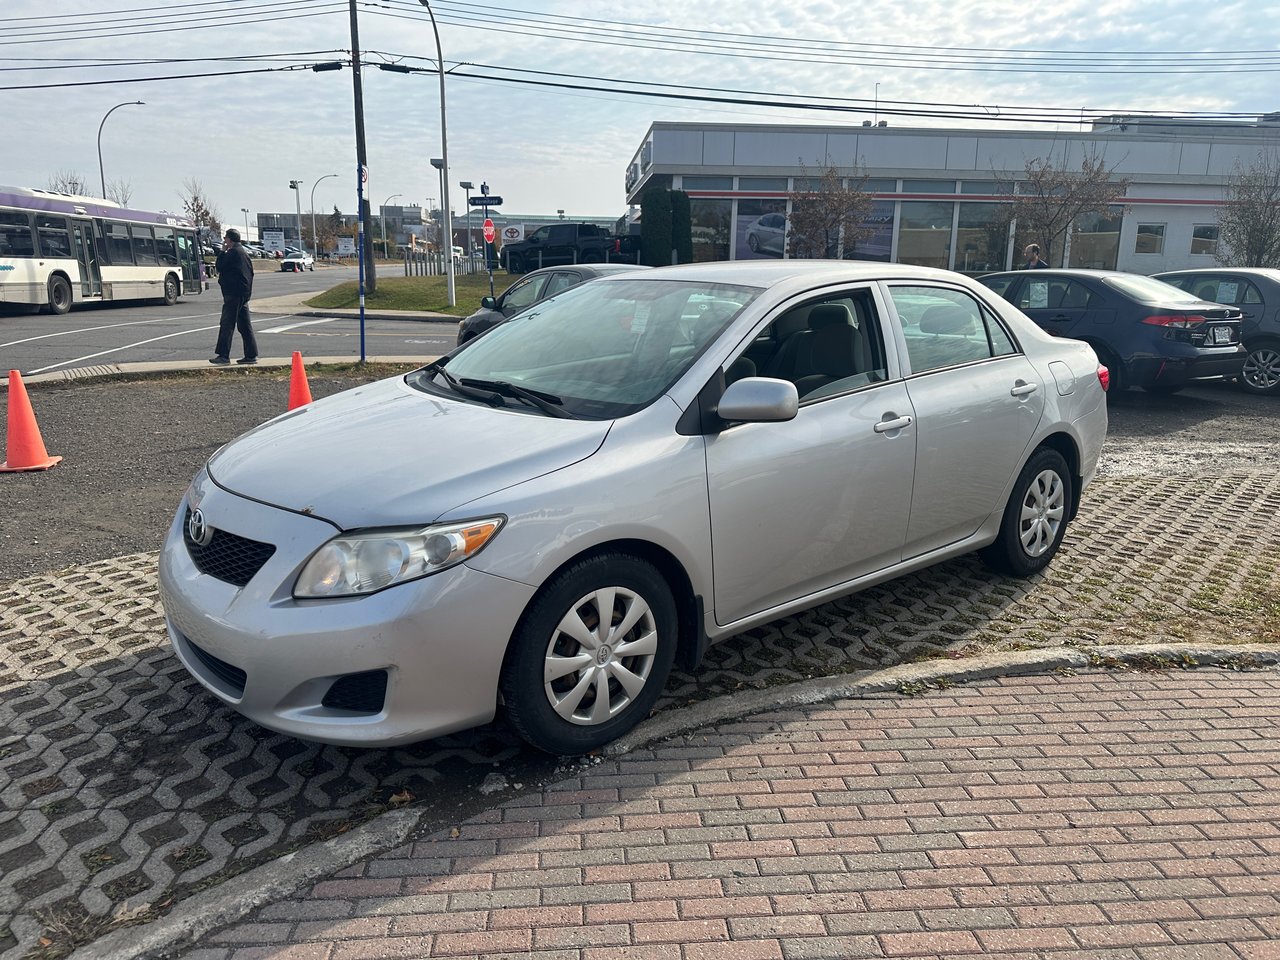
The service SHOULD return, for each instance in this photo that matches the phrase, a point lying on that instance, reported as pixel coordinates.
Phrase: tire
(172, 290)
(593, 256)
(1119, 377)
(567, 715)
(753, 242)
(59, 295)
(1035, 517)
(515, 264)
(1261, 373)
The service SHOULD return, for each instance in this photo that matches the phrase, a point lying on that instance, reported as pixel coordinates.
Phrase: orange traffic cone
(299, 391)
(26, 449)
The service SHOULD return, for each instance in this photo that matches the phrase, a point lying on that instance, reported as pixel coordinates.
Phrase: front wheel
(171, 290)
(1261, 373)
(591, 654)
(1035, 517)
(59, 295)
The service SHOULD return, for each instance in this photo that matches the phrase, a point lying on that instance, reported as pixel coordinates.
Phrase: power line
(175, 76)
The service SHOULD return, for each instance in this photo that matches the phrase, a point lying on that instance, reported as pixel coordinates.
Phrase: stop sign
(488, 230)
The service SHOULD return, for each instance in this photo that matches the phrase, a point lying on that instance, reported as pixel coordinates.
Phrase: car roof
(591, 269)
(769, 273)
(1064, 272)
(1269, 273)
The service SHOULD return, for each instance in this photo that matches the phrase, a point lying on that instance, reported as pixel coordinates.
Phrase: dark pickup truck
(568, 243)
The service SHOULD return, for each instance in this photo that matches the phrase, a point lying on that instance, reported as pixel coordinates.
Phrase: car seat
(1207, 290)
(798, 355)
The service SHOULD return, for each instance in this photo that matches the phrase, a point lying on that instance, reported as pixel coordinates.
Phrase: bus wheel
(171, 290)
(59, 295)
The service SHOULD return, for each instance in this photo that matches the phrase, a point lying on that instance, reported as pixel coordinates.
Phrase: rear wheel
(1119, 378)
(59, 295)
(171, 290)
(1261, 373)
(593, 256)
(515, 264)
(1035, 518)
(591, 655)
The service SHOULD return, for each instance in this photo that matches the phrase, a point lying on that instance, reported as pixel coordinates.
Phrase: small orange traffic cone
(26, 449)
(299, 390)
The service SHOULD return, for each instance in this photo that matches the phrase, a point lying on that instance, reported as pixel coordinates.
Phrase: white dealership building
(938, 192)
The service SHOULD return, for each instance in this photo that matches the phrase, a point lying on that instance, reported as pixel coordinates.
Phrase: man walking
(1033, 259)
(235, 277)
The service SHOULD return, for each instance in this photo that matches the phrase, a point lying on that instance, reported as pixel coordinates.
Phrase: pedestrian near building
(1033, 259)
(235, 277)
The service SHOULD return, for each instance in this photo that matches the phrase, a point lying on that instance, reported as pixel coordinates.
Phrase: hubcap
(600, 656)
(1043, 508)
(1262, 369)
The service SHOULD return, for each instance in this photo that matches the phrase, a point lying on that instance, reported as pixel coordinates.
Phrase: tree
(655, 232)
(1249, 222)
(66, 181)
(1048, 198)
(196, 205)
(121, 191)
(827, 217)
(681, 226)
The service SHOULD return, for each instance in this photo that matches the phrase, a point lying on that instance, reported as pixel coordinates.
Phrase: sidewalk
(1104, 814)
(294, 303)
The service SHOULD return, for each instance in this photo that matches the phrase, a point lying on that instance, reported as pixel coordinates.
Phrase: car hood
(484, 316)
(386, 454)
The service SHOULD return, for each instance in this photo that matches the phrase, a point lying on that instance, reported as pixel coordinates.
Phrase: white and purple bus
(57, 249)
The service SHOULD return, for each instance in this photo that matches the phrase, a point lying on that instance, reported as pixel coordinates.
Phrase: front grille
(358, 692)
(231, 558)
(232, 676)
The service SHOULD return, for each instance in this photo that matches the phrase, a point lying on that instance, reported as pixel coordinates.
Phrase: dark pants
(235, 316)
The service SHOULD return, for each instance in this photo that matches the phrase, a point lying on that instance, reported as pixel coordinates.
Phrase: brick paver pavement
(1132, 816)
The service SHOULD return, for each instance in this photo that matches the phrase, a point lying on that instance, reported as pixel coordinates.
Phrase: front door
(87, 255)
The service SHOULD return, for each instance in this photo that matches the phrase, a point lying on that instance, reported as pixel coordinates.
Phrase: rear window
(1149, 290)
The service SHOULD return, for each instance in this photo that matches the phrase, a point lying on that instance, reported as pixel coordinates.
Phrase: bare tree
(121, 191)
(1048, 198)
(66, 181)
(196, 205)
(827, 217)
(1249, 222)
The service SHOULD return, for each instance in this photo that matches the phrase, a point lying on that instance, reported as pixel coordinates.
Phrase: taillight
(1104, 378)
(617, 246)
(1183, 320)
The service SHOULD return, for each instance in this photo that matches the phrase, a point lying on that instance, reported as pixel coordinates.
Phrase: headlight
(360, 563)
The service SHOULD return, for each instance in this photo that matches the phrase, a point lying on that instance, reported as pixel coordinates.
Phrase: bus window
(55, 241)
(118, 249)
(165, 248)
(144, 245)
(15, 235)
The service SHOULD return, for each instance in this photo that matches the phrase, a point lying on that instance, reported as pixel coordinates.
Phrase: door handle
(885, 426)
(1060, 316)
(1021, 388)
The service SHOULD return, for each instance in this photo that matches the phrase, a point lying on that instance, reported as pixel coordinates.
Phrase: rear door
(1059, 305)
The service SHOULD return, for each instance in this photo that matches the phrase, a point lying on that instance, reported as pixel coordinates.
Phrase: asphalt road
(142, 332)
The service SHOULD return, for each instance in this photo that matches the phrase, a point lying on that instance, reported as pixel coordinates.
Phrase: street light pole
(101, 172)
(444, 164)
(297, 185)
(245, 211)
(438, 163)
(314, 241)
(382, 216)
(468, 186)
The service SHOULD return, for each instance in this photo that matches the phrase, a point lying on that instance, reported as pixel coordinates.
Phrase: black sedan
(530, 289)
(1256, 292)
(1147, 333)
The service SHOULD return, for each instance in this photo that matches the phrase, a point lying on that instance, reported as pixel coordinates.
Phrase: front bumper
(440, 640)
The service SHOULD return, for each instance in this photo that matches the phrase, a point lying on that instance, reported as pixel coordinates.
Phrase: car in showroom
(1255, 292)
(1147, 333)
(767, 234)
(530, 289)
(297, 260)
(545, 520)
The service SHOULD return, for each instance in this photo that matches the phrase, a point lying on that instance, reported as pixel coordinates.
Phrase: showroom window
(1204, 239)
(982, 237)
(1095, 240)
(1150, 238)
(928, 186)
(762, 184)
(706, 183)
(710, 221)
(924, 234)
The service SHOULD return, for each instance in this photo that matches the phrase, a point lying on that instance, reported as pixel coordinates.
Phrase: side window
(1150, 238)
(16, 239)
(144, 245)
(524, 293)
(1053, 295)
(55, 240)
(561, 233)
(952, 328)
(119, 249)
(1000, 285)
(824, 347)
(1252, 294)
(560, 281)
(166, 249)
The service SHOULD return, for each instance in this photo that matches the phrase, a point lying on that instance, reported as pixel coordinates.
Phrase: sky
(244, 136)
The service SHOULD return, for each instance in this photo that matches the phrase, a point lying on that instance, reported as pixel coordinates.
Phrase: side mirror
(489, 303)
(759, 400)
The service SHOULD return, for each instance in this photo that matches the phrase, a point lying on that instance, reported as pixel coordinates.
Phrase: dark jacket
(235, 273)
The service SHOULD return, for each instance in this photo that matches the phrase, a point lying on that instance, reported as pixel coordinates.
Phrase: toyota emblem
(199, 532)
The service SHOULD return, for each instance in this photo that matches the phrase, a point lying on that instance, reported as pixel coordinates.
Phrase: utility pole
(362, 160)
(296, 186)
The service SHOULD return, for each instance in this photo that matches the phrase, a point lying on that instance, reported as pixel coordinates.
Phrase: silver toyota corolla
(550, 517)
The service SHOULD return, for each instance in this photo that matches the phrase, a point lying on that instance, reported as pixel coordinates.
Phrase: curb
(159, 369)
(235, 898)
(410, 315)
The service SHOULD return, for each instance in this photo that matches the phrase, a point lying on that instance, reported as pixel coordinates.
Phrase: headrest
(833, 347)
(829, 315)
(947, 318)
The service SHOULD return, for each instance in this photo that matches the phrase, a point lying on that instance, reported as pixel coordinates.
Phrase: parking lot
(127, 787)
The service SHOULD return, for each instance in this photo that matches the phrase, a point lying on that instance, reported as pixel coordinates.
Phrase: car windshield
(1149, 290)
(601, 350)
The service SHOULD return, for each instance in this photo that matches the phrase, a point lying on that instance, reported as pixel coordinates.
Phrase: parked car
(570, 243)
(297, 260)
(767, 234)
(548, 518)
(1148, 334)
(530, 289)
(1256, 292)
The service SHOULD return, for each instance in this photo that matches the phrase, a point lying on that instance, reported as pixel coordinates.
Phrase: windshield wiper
(491, 397)
(546, 402)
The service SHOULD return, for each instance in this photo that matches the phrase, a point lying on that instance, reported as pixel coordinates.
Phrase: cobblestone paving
(123, 785)
(1109, 815)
